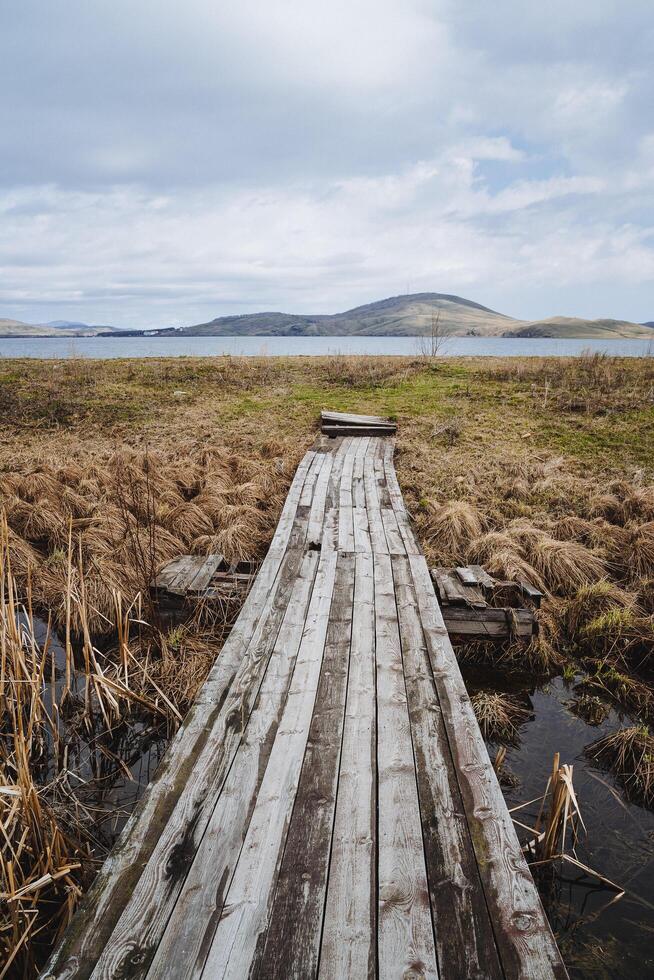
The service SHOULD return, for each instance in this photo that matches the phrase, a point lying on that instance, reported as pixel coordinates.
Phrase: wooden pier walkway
(328, 808)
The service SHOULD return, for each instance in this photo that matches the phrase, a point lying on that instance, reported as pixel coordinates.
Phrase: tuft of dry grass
(450, 526)
(130, 514)
(590, 708)
(627, 690)
(629, 755)
(499, 716)
(592, 601)
(503, 557)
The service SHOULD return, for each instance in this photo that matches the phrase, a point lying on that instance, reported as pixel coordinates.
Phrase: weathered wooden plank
(449, 587)
(350, 924)
(462, 926)
(531, 592)
(405, 936)
(345, 515)
(291, 945)
(188, 567)
(522, 932)
(193, 920)
(466, 575)
(358, 430)
(331, 521)
(352, 419)
(452, 589)
(394, 539)
(170, 571)
(187, 772)
(397, 502)
(307, 490)
(205, 573)
(492, 623)
(358, 489)
(482, 576)
(246, 909)
(317, 513)
(361, 530)
(375, 524)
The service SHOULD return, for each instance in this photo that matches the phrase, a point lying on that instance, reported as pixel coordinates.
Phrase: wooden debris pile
(477, 606)
(201, 577)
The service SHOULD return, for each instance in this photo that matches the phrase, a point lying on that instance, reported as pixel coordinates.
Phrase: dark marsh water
(600, 938)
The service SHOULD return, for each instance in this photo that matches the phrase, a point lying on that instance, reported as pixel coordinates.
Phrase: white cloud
(195, 254)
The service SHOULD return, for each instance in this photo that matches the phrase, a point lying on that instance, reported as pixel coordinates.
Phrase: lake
(110, 347)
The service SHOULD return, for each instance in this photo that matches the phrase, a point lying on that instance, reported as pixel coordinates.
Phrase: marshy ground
(537, 468)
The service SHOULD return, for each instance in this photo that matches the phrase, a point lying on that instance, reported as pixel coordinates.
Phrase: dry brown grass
(499, 716)
(582, 534)
(629, 754)
(450, 526)
(593, 384)
(130, 513)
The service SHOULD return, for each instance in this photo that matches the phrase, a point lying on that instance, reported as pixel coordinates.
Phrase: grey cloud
(181, 161)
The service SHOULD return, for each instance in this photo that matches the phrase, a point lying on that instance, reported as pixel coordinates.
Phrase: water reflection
(599, 936)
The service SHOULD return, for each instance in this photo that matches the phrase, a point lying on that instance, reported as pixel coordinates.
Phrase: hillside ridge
(405, 315)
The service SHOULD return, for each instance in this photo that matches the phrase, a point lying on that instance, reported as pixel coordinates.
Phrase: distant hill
(650, 323)
(56, 328)
(410, 316)
(567, 326)
(67, 324)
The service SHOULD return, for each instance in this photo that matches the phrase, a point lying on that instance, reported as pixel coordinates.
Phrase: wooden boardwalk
(328, 808)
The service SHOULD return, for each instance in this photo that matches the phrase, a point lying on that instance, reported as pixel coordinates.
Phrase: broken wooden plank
(359, 430)
(530, 592)
(452, 589)
(205, 573)
(482, 576)
(348, 418)
(489, 623)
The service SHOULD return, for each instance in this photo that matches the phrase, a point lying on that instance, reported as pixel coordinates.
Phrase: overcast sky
(163, 162)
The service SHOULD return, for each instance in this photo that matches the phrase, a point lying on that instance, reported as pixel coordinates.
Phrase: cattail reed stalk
(563, 811)
(69, 586)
